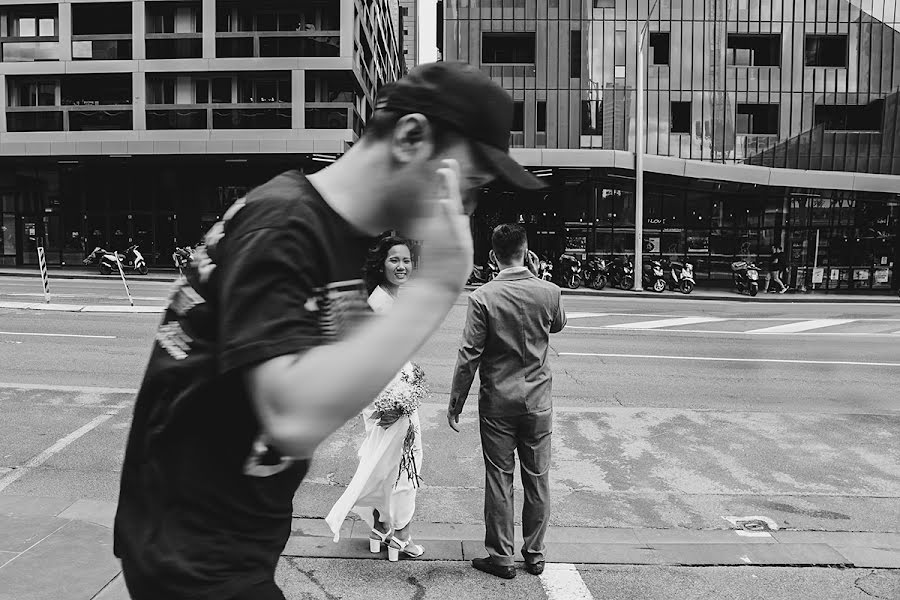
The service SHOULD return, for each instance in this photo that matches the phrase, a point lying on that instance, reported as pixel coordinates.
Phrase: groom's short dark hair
(509, 240)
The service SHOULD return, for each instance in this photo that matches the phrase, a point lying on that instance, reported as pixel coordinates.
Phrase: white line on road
(579, 315)
(67, 335)
(720, 332)
(79, 389)
(666, 323)
(802, 326)
(44, 456)
(563, 582)
(734, 359)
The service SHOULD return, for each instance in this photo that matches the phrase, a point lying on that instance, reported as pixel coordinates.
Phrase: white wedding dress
(375, 485)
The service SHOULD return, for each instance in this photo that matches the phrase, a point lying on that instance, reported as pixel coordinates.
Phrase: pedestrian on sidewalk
(506, 337)
(383, 489)
(265, 348)
(776, 265)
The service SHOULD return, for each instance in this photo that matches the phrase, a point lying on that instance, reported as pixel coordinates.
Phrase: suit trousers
(501, 438)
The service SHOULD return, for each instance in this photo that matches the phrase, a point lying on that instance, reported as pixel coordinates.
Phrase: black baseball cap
(470, 102)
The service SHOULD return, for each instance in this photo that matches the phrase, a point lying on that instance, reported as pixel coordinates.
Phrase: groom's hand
(453, 420)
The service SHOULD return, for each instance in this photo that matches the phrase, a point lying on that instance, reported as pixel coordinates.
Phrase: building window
(404, 11)
(826, 51)
(659, 48)
(866, 117)
(33, 93)
(161, 90)
(221, 90)
(101, 18)
(754, 50)
(575, 54)
(541, 117)
(680, 116)
(507, 48)
(592, 117)
(604, 3)
(757, 119)
(518, 123)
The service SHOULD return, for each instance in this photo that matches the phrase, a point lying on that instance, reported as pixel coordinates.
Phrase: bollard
(42, 261)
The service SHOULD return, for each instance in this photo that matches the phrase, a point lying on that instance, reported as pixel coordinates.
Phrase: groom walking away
(507, 335)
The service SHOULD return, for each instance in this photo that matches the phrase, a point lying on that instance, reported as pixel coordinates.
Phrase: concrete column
(298, 99)
(65, 31)
(138, 30)
(139, 100)
(5, 103)
(346, 28)
(209, 28)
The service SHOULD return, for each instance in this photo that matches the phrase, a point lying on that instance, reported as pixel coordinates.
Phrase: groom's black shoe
(486, 565)
(535, 568)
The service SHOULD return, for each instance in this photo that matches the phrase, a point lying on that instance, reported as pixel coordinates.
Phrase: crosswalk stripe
(666, 323)
(563, 582)
(802, 326)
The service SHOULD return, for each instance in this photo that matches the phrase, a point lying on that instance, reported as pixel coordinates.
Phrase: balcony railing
(174, 45)
(30, 49)
(266, 44)
(114, 117)
(252, 115)
(101, 47)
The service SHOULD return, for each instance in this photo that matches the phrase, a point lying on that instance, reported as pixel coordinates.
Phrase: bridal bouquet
(400, 398)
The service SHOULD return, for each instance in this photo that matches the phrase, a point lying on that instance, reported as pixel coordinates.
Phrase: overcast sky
(427, 26)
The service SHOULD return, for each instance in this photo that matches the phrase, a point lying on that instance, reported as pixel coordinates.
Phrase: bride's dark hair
(374, 269)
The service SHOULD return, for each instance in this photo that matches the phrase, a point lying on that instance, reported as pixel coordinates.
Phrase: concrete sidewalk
(87, 308)
(56, 548)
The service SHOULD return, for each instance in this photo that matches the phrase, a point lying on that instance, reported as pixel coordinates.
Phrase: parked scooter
(653, 278)
(133, 259)
(545, 269)
(680, 276)
(621, 273)
(595, 273)
(483, 274)
(570, 273)
(182, 257)
(745, 276)
(105, 260)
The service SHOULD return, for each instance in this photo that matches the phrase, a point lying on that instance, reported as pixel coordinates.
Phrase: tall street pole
(639, 168)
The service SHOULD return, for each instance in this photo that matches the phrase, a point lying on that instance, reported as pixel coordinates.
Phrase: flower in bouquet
(400, 398)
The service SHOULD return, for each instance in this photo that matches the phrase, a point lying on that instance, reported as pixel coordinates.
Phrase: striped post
(42, 260)
(122, 273)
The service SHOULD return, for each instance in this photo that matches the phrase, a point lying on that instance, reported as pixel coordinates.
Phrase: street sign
(818, 275)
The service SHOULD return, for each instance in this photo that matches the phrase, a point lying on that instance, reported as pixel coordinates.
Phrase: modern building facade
(139, 122)
(409, 9)
(766, 123)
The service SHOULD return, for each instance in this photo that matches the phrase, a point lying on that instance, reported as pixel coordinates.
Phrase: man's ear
(413, 139)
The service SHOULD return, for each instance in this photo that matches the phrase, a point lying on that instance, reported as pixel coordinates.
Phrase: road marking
(802, 326)
(727, 359)
(67, 335)
(44, 456)
(80, 389)
(666, 323)
(574, 315)
(720, 332)
(562, 581)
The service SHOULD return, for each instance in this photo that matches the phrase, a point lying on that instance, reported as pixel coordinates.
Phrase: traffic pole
(42, 261)
(125, 283)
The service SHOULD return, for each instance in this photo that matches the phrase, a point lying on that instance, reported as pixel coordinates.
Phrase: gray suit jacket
(507, 335)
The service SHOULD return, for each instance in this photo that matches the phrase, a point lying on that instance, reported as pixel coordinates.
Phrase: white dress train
(378, 483)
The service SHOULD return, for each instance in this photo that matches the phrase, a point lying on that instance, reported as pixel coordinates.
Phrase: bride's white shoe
(408, 548)
(377, 540)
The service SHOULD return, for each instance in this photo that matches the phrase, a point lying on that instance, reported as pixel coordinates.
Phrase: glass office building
(766, 123)
(140, 121)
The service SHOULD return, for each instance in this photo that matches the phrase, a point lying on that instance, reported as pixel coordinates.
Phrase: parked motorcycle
(595, 273)
(545, 269)
(679, 276)
(182, 257)
(483, 274)
(570, 273)
(621, 273)
(653, 278)
(105, 260)
(133, 259)
(745, 276)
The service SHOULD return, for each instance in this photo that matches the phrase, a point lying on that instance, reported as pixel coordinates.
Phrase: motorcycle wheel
(627, 282)
(687, 287)
(574, 282)
(599, 282)
(754, 289)
(143, 270)
(659, 286)
(105, 269)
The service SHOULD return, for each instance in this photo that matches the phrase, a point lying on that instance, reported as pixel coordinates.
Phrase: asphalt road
(659, 423)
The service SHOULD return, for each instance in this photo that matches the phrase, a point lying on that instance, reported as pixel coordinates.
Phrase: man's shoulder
(286, 199)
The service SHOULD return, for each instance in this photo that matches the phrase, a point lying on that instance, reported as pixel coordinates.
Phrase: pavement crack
(315, 581)
(420, 589)
(860, 585)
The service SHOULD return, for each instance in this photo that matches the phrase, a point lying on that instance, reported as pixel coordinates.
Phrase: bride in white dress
(382, 495)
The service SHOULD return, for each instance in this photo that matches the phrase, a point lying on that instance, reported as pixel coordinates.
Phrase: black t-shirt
(205, 504)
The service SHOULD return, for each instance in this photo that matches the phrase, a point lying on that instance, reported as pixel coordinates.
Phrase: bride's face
(397, 265)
